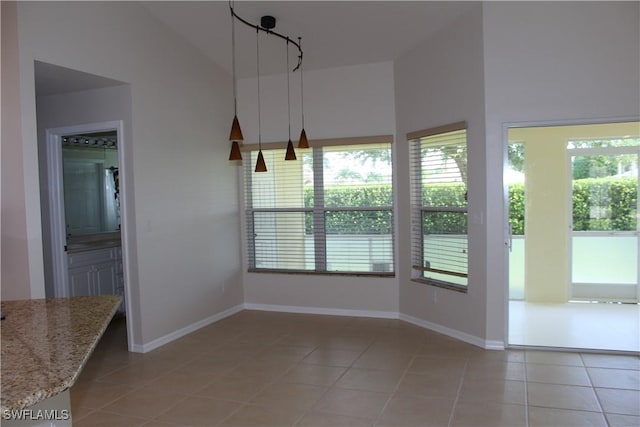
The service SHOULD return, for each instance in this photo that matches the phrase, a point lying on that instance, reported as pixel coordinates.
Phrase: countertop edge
(41, 395)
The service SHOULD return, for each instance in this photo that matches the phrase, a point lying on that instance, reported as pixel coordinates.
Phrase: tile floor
(614, 327)
(279, 369)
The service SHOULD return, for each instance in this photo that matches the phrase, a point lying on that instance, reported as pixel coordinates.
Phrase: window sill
(442, 285)
(322, 273)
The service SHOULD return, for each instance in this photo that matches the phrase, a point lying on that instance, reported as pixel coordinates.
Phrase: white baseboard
(322, 310)
(462, 336)
(158, 342)
(471, 339)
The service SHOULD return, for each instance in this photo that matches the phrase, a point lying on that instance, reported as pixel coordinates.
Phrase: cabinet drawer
(90, 257)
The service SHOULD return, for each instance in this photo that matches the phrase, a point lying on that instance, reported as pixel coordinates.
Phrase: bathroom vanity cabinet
(96, 272)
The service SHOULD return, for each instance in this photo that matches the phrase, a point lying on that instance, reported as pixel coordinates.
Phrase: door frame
(56, 204)
(506, 125)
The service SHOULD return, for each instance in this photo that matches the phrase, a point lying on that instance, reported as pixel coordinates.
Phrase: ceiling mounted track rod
(267, 23)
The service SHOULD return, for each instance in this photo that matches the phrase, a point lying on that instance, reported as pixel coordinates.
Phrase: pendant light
(291, 154)
(267, 25)
(235, 136)
(303, 142)
(260, 164)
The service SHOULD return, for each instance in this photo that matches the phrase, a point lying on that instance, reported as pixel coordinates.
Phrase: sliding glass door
(604, 220)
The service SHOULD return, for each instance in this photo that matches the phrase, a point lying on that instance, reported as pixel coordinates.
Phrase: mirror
(91, 183)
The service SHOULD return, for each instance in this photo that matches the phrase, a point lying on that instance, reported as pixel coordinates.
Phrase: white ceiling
(334, 33)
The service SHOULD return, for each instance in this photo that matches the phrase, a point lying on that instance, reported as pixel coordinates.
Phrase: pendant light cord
(258, 68)
(233, 60)
(301, 85)
(288, 91)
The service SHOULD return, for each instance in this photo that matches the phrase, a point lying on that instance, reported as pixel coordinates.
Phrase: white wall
(339, 102)
(90, 106)
(182, 208)
(440, 82)
(14, 245)
(548, 61)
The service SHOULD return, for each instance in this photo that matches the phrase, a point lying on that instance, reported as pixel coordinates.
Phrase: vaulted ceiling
(334, 33)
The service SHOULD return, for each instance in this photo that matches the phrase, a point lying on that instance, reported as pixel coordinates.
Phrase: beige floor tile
(264, 369)
(557, 374)
(488, 414)
(384, 360)
(198, 411)
(354, 403)
(182, 382)
(611, 361)
(517, 356)
(545, 417)
(370, 379)
(616, 420)
(288, 397)
(314, 374)
(146, 402)
(438, 366)
(135, 375)
(318, 419)
(493, 390)
(449, 348)
(495, 369)
(562, 397)
(209, 365)
(79, 412)
(615, 378)
(96, 394)
(406, 410)
(329, 356)
(95, 370)
(238, 389)
(108, 419)
(254, 416)
(615, 401)
(553, 358)
(283, 362)
(430, 385)
(347, 342)
(285, 353)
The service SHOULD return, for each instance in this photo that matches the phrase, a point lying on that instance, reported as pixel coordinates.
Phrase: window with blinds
(329, 211)
(439, 205)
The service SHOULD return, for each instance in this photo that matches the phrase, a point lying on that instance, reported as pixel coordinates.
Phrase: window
(329, 211)
(439, 205)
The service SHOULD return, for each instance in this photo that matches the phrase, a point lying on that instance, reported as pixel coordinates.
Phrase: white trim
(322, 310)
(471, 339)
(158, 342)
(56, 212)
(56, 195)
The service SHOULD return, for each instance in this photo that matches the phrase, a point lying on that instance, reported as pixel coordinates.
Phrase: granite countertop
(45, 344)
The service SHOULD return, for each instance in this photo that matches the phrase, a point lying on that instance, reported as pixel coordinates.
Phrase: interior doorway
(71, 103)
(573, 213)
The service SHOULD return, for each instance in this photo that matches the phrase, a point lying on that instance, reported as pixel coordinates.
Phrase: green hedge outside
(617, 196)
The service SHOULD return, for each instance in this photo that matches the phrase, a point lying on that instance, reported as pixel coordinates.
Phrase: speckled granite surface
(45, 344)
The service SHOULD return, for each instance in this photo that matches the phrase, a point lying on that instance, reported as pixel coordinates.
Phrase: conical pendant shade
(291, 154)
(303, 143)
(236, 132)
(261, 166)
(235, 151)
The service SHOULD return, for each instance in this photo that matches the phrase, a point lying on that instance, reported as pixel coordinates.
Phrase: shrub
(614, 200)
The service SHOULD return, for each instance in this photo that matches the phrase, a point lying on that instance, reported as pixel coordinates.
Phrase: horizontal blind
(279, 207)
(358, 207)
(329, 211)
(439, 205)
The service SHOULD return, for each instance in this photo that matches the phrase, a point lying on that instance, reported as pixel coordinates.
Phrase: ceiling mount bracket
(268, 22)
